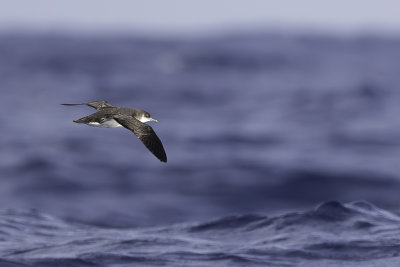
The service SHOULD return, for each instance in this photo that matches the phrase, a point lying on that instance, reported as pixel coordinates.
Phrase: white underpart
(106, 124)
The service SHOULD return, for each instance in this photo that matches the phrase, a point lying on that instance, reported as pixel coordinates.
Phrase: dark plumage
(95, 104)
(109, 116)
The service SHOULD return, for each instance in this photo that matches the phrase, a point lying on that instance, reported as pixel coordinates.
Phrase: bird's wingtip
(71, 104)
(163, 159)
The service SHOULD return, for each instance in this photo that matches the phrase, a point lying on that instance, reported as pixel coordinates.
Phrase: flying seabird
(133, 119)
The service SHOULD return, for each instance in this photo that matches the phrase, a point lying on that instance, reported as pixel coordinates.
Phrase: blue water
(259, 129)
(329, 235)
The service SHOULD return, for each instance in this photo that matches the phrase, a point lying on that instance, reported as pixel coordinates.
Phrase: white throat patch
(144, 119)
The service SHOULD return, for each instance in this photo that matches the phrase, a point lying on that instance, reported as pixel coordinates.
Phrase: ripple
(330, 231)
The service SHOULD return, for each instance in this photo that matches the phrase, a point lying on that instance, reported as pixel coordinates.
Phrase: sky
(190, 16)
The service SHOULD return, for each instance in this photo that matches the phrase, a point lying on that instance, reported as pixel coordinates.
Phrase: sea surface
(283, 150)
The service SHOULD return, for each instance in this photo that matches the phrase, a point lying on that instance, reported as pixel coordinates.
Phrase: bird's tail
(83, 120)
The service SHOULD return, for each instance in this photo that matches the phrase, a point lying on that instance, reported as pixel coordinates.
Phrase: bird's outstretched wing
(99, 105)
(145, 133)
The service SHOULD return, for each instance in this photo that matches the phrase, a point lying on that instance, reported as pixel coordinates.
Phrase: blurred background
(263, 106)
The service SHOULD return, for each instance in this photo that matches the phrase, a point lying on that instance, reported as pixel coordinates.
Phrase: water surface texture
(330, 235)
(263, 124)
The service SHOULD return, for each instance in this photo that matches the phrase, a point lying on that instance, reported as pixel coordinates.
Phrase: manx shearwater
(133, 119)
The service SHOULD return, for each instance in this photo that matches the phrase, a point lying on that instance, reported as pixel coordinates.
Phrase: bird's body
(106, 124)
(105, 117)
(109, 116)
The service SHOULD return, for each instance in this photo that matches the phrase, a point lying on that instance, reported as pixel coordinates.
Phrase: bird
(133, 119)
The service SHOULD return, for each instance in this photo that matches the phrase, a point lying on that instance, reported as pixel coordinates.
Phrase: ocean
(282, 150)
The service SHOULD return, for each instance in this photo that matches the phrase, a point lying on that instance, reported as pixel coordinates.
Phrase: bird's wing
(95, 104)
(145, 133)
(95, 117)
(73, 104)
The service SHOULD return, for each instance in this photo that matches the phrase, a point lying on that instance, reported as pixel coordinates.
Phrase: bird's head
(145, 117)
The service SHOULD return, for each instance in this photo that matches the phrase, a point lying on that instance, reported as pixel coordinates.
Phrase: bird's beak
(151, 119)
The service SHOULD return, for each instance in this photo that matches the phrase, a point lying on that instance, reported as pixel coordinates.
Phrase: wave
(352, 233)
